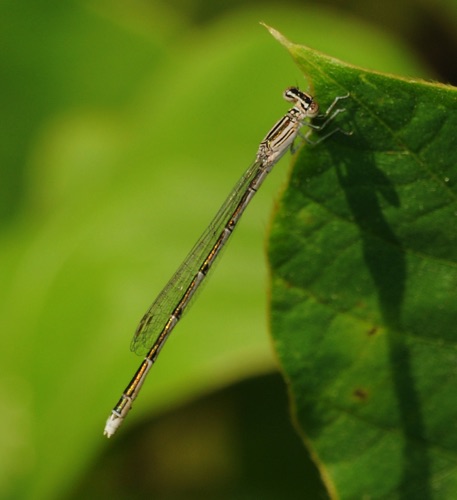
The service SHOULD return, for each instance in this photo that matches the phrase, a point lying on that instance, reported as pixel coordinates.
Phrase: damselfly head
(302, 100)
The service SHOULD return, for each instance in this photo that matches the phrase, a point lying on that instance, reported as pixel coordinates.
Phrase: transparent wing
(158, 314)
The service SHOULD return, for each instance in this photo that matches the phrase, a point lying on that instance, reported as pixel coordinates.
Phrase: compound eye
(313, 109)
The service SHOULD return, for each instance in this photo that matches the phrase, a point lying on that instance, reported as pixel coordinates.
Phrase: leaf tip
(276, 34)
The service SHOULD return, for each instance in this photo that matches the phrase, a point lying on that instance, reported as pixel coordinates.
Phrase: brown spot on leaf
(372, 331)
(361, 394)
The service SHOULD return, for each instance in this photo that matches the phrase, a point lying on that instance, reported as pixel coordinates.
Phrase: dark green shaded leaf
(363, 253)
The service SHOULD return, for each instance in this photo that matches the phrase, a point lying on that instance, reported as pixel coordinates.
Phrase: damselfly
(160, 319)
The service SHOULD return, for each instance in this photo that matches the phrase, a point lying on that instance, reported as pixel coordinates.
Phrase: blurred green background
(124, 126)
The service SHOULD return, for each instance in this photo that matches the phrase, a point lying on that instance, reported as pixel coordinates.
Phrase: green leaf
(363, 254)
